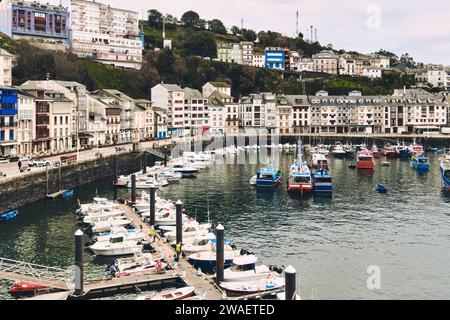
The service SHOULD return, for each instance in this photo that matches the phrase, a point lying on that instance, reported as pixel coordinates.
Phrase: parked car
(14, 158)
(38, 162)
(4, 160)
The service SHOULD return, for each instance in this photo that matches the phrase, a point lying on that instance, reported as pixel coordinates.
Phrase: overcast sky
(421, 28)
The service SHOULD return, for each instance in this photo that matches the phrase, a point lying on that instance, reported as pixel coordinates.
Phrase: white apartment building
(326, 61)
(209, 87)
(294, 61)
(217, 116)
(104, 119)
(196, 112)
(236, 53)
(284, 116)
(372, 72)
(60, 121)
(259, 60)
(300, 113)
(6, 61)
(105, 34)
(149, 125)
(258, 111)
(305, 64)
(170, 97)
(349, 65)
(379, 61)
(25, 123)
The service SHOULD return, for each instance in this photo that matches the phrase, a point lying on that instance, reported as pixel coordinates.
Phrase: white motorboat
(102, 215)
(206, 260)
(188, 231)
(115, 246)
(127, 234)
(203, 243)
(107, 225)
(190, 223)
(247, 287)
(338, 151)
(253, 180)
(173, 294)
(98, 205)
(183, 168)
(244, 268)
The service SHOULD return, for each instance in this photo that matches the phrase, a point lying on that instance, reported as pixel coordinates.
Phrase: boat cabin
(244, 263)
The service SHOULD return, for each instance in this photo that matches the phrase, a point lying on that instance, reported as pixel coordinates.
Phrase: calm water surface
(330, 241)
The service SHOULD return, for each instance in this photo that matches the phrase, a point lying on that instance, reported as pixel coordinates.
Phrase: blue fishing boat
(381, 188)
(9, 215)
(299, 175)
(420, 163)
(322, 181)
(206, 260)
(67, 194)
(268, 177)
(444, 169)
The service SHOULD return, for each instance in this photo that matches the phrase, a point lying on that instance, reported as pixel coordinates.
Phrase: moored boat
(338, 151)
(24, 287)
(244, 268)
(268, 177)
(9, 215)
(420, 162)
(247, 287)
(375, 151)
(322, 181)
(173, 294)
(116, 246)
(444, 169)
(365, 160)
(206, 260)
(389, 151)
(299, 175)
(67, 194)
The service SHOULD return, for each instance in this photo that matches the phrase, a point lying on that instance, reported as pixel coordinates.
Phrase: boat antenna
(207, 206)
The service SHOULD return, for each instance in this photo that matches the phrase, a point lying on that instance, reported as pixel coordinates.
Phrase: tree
(201, 24)
(217, 26)
(408, 61)
(190, 18)
(199, 44)
(235, 30)
(155, 18)
(248, 35)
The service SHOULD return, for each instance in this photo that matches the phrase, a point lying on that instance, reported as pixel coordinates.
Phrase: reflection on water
(331, 241)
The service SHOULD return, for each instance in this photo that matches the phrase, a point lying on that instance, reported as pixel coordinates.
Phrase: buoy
(199, 271)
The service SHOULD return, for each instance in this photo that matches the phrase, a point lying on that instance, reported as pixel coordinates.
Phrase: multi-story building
(247, 52)
(196, 112)
(34, 21)
(224, 52)
(433, 74)
(350, 65)
(284, 115)
(275, 58)
(236, 53)
(104, 119)
(209, 87)
(379, 61)
(170, 97)
(8, 117)
(259, 60)
(297, 121)
(160, 122)
(294, 60)
(326, 61)
(372, 72)
(127, 112)
(305, 64)
(217, 114)
(6, 61)
(258, 111)
(149, 125)
(60, 121)
(26, 118)
(105, 34)
(345, 114)
(77, 93)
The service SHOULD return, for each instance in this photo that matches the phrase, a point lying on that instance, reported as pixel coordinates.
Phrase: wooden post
(79, 245)
(219, 253)
(289, 291)
(133, 189)
(152, 205)
(46, 177)
(59, 176)
(179, 223)
(144, 170)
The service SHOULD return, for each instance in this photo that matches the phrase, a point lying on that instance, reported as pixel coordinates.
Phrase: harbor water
(331, 241)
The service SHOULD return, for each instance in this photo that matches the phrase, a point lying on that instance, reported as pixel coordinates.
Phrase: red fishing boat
(375, 151)
(390, 152)
(365, 160)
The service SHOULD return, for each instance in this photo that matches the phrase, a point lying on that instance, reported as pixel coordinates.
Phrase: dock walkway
(184, 270)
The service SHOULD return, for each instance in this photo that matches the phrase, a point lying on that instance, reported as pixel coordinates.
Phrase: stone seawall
(18, 191)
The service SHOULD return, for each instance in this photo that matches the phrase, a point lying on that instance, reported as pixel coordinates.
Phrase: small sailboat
(300, 175)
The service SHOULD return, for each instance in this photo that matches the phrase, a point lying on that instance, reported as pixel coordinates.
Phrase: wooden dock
(185, 270)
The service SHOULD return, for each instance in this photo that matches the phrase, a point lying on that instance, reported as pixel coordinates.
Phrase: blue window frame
(2, 135)
(11, 135)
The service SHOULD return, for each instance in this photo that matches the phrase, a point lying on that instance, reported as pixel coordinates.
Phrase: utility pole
(242, 24)
(296, 26)
(315, 35)
(311, 33)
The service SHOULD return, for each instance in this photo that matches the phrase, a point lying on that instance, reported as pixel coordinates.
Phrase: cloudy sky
(421, 28)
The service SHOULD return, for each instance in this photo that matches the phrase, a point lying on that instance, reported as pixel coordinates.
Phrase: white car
(38, 162)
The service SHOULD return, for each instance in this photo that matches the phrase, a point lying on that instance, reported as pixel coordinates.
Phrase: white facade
(306, 64)
(60, 122)
(105, 34)
(5, 68)
(372, 72)
(209, 87)
(236, 53)
(170, 97)
(259, 60)
(196, 111)
(247, 52)
(26, 116)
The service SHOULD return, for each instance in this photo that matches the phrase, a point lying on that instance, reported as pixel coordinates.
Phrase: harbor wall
(21, 190)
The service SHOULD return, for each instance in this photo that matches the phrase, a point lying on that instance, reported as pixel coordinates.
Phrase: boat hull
(263, 183)
(323, 187)
(445, 180)
(365, 164)
(208, 265)
(300, 187)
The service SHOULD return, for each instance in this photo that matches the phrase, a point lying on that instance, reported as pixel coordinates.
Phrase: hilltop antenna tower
(296, 26)
(311, 33)
(164, 28)
(242, 24)
(315, 34)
